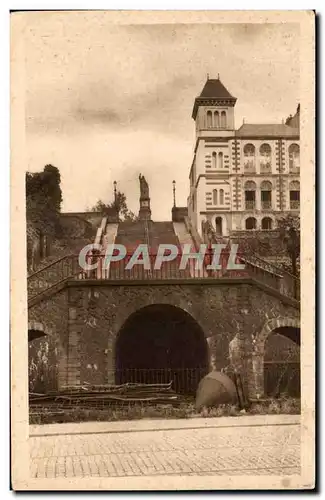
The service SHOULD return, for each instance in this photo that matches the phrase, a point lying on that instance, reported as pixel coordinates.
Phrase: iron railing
(183, 380)
(265, 167)
(282, 378)
(68, 268)
(266, 205)
(54, 273)
(249, 166)
(250, 204)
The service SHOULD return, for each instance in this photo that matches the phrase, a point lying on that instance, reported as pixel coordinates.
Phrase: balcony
(294, 204)
(249, 167)
(266, 205)
(250, 204)
(265, 167)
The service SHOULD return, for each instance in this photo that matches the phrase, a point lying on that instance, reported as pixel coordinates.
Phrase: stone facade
(85, 320)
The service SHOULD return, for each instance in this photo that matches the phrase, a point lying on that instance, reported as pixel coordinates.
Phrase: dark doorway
(159, 344)
(219, 226)
(282, 363)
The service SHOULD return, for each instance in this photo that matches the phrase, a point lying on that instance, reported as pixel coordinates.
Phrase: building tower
(210, 182)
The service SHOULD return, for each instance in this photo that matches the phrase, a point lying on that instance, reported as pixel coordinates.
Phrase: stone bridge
(97, 330)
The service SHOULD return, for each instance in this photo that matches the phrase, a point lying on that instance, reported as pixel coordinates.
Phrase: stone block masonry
(85, 321)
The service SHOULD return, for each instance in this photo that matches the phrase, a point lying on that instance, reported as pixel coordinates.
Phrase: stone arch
(274, 324)
(256, 388)
(36, 329)
(158, 343)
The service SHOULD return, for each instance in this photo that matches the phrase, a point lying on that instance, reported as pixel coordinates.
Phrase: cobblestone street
(197, 450)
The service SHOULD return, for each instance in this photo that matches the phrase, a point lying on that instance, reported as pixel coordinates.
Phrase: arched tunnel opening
(282, 363)
(161, 344)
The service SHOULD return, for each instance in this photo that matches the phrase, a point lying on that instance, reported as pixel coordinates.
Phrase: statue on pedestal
(144, 187)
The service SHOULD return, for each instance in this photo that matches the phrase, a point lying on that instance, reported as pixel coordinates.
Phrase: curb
(159, 425)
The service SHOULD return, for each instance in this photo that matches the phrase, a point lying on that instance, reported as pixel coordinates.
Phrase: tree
(289, 229)
(44, 198)
(119, 205)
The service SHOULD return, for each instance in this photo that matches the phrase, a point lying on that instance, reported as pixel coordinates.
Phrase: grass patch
(288, 406)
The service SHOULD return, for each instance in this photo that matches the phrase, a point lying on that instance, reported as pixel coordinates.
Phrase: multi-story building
(241, 179)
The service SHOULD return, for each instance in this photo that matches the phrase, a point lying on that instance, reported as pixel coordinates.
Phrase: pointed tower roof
(214, 93)
(214, 88)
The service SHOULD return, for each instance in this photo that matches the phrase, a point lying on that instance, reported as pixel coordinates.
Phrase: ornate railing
(68, 268)
(52, 274)
(249, 166)
(266, 205)
(250, 204)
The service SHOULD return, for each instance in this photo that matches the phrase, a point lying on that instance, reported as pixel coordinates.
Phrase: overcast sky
(107, 102)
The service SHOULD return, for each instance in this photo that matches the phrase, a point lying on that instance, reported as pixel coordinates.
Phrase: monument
(145, 211)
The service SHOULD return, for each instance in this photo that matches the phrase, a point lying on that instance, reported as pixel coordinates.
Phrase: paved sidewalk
(222, 446)
(163, 424)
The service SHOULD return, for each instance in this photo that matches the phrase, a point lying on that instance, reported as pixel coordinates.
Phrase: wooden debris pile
(100, 396)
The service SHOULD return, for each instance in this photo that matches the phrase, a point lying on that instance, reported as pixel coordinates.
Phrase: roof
(215, 89)
(266, 130)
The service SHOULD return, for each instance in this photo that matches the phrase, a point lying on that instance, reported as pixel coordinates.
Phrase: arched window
(214, 160)
(216, 121)
(266, 195)
(219, 226)
(294, 158)
(294, 188)
(215, 197)
(223, 119)
(250, 223)
(249, 158)
(250, 195)
(265, 158)
(209, 119)
(221, 196)
(220, 160)
(267, 223)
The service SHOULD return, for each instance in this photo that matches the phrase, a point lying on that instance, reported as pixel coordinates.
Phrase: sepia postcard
(162, 250)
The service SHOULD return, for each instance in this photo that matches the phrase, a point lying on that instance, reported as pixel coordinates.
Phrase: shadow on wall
(282, 363)
(159, 344)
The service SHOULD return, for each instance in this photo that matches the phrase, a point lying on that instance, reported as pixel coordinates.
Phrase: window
(294, 158)
(266, 195)
(250, 223)
(294, 188)
(265, 158)
(249, 158)
(219, 226)
(220, 160)
(215, 197)
(250, 191)
(216, 121)
(267, 223)
(209, 119)
(221, 196)
(223, 119)
(214, 160)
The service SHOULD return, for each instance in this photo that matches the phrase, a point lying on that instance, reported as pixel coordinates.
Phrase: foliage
(288, 406)
(289, 229)
(119, 205)
(44, 198)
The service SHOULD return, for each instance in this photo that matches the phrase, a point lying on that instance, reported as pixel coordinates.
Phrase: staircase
(56, 271)
(153, 234)
(52, 277)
